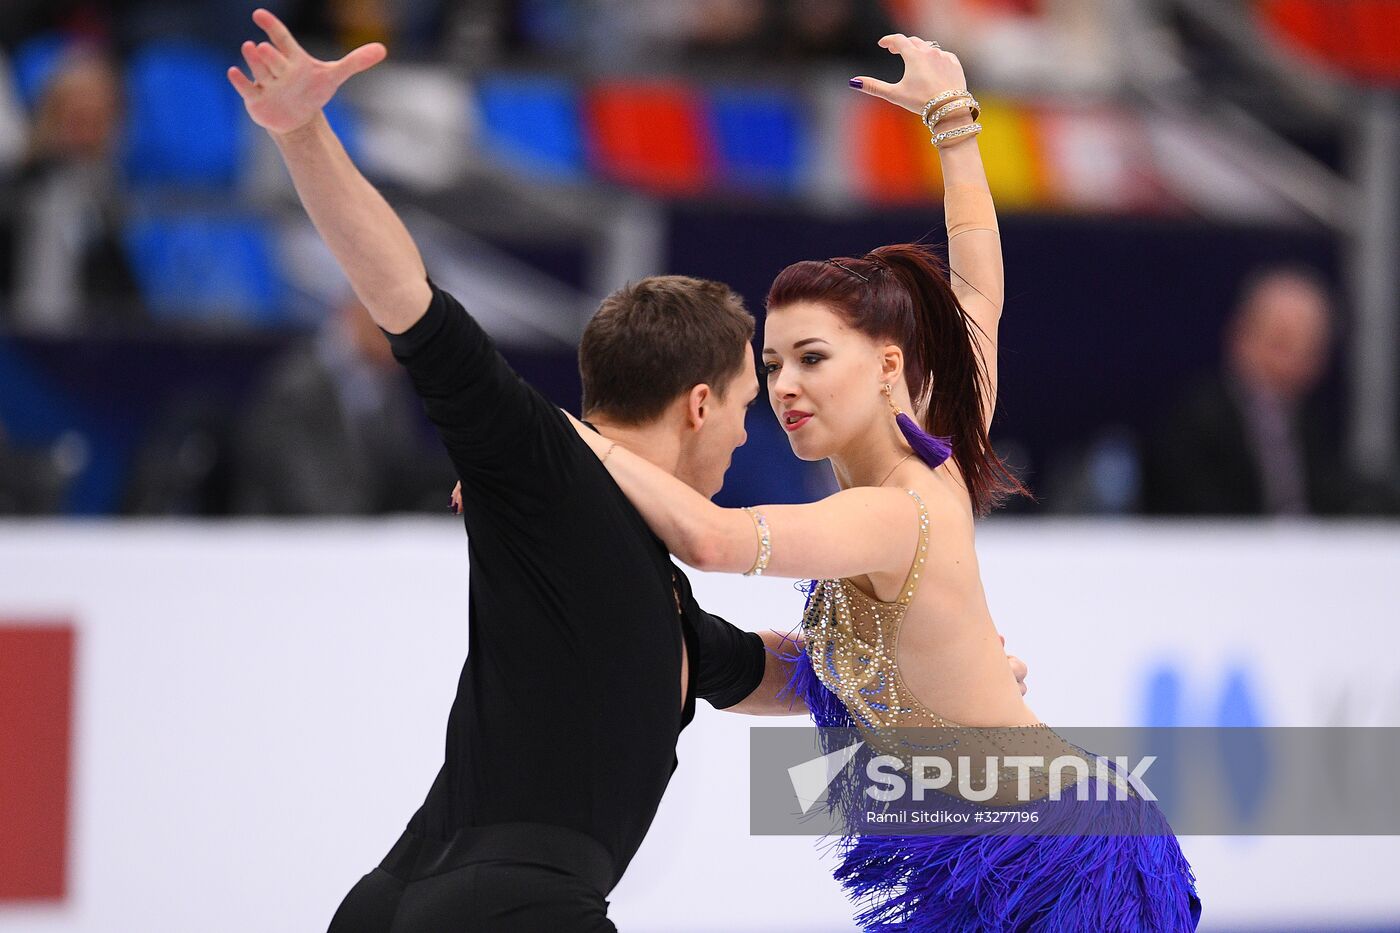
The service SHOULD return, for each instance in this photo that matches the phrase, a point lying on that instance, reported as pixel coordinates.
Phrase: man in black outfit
(586, 649)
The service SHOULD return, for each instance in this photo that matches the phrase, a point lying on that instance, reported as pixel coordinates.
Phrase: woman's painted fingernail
(857, 83)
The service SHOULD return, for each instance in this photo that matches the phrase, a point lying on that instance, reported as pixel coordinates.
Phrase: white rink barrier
(258, 708)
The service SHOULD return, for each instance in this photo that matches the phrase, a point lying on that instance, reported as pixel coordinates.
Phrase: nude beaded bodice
(851, 639)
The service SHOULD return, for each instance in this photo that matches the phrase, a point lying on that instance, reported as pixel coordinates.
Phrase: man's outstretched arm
(286, 97)
(764, 700)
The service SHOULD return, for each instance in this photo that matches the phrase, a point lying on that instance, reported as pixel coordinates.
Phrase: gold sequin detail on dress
(851, 640)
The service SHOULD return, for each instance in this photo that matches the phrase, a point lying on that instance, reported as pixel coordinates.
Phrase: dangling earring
(932, 450)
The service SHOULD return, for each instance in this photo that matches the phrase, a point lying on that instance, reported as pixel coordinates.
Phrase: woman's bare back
(948, 651)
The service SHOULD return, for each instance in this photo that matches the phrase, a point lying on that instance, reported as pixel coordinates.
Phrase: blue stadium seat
(197, 268)
(534, 124)
(185, 123)
(186, 126)
(757, 137)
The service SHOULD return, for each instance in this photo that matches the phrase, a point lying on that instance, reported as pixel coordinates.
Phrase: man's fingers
(275, 61)
(241, 84)
(280, 35)
(362, 59)
(255, 63)
(874, 87)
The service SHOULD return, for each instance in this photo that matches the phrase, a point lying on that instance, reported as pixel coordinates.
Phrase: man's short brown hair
(655, 338)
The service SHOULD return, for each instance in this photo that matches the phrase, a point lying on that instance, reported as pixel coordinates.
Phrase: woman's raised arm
(974, 242)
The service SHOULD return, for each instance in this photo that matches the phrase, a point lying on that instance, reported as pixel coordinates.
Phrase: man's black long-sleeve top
(569, 706)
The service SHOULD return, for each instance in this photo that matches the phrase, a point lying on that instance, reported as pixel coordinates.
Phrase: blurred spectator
(12, 122)
(1250, 441)
(68, 269)
(337, 430)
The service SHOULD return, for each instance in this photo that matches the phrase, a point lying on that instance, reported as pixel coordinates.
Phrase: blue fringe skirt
(1103, 881)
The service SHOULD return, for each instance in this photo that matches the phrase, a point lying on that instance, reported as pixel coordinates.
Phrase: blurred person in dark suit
(1250, 440)
(67, 266)
(336, 429)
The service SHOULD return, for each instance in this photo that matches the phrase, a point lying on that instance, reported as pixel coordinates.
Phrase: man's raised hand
(289, 87)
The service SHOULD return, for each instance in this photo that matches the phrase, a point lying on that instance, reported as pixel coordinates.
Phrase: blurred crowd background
(1199, 200)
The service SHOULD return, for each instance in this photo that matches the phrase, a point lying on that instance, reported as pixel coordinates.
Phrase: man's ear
(698, 401)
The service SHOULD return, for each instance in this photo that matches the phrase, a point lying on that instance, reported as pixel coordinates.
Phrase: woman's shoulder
(944, 498)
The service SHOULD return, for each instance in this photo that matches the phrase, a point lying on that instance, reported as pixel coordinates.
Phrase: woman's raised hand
(928, 72)
(289, 87)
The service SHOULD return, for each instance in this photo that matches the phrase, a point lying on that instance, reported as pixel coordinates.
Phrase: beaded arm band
(765, 544)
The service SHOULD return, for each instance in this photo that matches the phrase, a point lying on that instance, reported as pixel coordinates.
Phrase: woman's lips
(795, 419)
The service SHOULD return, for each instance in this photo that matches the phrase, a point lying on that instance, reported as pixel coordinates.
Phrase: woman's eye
(811, 359)
(768, 369)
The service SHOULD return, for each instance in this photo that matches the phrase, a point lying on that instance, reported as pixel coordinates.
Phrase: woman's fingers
(275, 61)
(897, 43)
(255, 63)
(280, 35)
(362, 59)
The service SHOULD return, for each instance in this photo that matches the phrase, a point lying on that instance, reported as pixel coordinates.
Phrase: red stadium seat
(1358, 37)
(653, 136)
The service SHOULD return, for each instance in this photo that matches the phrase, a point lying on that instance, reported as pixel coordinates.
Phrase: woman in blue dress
(886, 365)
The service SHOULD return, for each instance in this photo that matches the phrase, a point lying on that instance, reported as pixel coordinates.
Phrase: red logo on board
(36, 728)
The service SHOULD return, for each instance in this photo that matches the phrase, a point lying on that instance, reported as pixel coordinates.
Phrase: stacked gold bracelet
(960, 100)
(969, 104)
(765, 543)
(946, 103)
(932, 105)
(947, 137)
